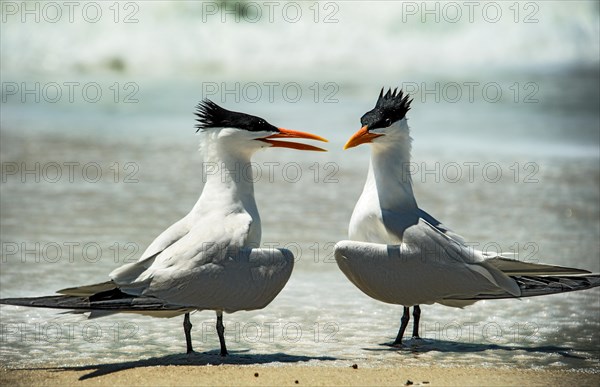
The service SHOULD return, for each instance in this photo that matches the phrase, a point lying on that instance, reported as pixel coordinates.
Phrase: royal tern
(399, 254)
(210, 259)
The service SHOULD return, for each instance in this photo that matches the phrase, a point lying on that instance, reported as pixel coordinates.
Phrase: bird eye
(388, 122)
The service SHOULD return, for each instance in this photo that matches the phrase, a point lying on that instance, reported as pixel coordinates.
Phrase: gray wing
(440, 227)
(209, 276)
(245, 279)
(430, 267)
(230, 281)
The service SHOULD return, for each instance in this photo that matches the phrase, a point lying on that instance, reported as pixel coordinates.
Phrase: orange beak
(286, 133)
(363, 136)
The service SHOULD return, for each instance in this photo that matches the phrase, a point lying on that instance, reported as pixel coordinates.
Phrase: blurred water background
(99, 156)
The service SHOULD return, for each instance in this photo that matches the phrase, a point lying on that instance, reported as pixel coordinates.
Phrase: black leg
(404, 322)
(221, 331)
(417, 317)
(187, 328)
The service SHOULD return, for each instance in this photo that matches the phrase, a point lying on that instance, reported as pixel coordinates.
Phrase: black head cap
(211, 115)
(389, 108)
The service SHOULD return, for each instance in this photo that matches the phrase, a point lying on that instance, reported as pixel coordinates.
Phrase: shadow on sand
(412, 346)
(416, 346)
(192, 359)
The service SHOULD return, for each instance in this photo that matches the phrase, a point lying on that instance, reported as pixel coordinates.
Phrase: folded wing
(249, 279)
(432, 267)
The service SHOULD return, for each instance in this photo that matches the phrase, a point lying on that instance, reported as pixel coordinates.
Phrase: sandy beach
(224, 375)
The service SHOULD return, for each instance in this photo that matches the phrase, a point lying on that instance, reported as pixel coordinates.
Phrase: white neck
(228, 184)
(387, 195)
(389, 173)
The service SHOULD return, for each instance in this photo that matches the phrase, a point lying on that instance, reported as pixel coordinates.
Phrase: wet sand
(285, 375)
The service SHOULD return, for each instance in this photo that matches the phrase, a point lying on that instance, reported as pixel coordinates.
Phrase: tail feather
(102, 304)
(88, 290)
(57, 302)
(514, 267)
(542, 285)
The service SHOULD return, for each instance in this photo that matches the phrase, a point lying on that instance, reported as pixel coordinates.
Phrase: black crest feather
(389, 108)
(210, 115)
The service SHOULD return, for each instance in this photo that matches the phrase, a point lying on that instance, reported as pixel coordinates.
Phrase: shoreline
(289, 375)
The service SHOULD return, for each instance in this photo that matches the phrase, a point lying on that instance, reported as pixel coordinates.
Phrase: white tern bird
(399, 254)
(210, 259)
